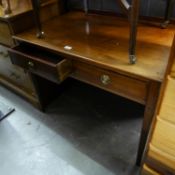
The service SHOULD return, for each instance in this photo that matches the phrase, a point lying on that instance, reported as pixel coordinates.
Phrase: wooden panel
(168, 105)
(5, 34)
(148, 171)
(41, 62)
(163, 137)
(125, 86)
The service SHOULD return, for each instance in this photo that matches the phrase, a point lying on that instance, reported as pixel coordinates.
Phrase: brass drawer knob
(105, 79)
(31, 64)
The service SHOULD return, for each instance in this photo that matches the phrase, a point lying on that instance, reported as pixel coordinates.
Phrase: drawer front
(12, 73)
(5, 34)
(168, 105)
(162, 148)
(130, 88)
(53, 71)
(163, 137)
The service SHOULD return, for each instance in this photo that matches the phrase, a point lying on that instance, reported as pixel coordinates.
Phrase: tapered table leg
(152, 98)
(168, 13)
(36, 10)
(86, 6)
(133, 14)
(133, 17)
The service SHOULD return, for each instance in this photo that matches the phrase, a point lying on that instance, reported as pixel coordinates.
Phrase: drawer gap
(39, 54)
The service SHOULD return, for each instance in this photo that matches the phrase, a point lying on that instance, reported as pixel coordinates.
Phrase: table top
(103, 41)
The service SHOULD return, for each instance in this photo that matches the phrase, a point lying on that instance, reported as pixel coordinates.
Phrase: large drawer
(128, 87)
(41, 62)
(14, 74)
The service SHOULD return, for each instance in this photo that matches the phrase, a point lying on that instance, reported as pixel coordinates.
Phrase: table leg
(150, 107)
(168, 13)
(36, 10)
(86, 6)
(134, 14)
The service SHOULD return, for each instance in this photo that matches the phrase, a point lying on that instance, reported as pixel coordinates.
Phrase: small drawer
(128, 87)
(41, 62)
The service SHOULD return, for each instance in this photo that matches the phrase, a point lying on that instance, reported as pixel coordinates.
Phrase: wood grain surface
(103, 41)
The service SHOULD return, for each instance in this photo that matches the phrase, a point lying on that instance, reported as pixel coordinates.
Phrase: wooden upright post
(132, 12)
(168, 13)
(36, 10)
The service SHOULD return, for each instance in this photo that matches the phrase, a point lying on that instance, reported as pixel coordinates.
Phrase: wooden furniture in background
(6, 5)
(97, 47)
(20, 19)
(160, 153)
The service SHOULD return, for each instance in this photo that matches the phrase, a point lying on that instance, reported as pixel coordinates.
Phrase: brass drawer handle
(105, 79)
(31, 64)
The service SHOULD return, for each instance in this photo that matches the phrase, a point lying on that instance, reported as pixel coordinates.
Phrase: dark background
(155, 8)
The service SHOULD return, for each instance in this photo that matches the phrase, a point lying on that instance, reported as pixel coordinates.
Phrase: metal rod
(134, 15)
(36, 12)
(168, 13)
